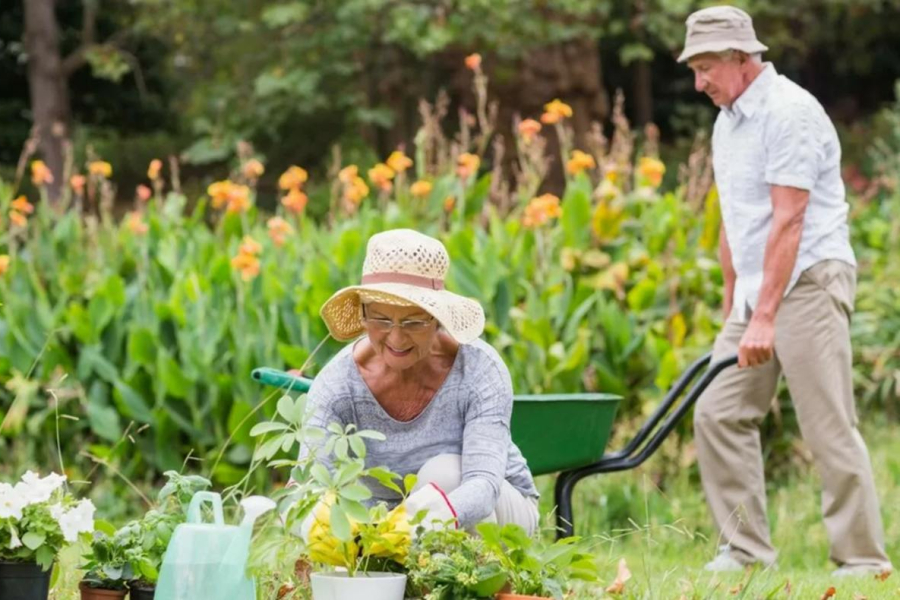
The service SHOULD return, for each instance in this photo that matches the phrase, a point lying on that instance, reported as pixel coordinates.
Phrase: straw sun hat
(404, 268)
(719, 28)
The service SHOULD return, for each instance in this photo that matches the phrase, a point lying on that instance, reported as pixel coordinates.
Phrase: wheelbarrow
(567, 433)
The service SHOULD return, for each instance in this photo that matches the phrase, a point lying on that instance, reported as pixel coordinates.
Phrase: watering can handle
(196, 516)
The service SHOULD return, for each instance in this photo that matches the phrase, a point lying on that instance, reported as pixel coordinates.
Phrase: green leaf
(33, 540)
(320, 474)
(354, 510)
(267, 427)
(142, 347)
(340, 525)
(355, 491)
(173, 378)
(409, 482)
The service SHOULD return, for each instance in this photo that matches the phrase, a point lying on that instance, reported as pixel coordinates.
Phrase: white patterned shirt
(777, 133)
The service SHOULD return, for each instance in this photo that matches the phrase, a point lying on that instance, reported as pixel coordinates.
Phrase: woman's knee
(443, 470)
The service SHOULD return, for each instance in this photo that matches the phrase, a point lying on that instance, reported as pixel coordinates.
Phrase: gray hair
(730, 54)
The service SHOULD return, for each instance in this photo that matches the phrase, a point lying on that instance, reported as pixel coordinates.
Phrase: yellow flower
(540, 210)
(528, 129)
(246, 264)
(249, 246)
(40, 173)
(295, 201)
(100, 168)
(380, 175)
(467, 165)
(611, 172)
(219, 192)
(356, 190)
(421, 189)
(22, 205)
(398, 161)
(77, 182)
(135, 224)
(154, 169)
(278, 230)
(651, 170)
(4, 264)
(556, 111)
(579, 162)
(18, 219)
(253, 169)
(143, 192)
(473, 62)
(348, 174)
(294, 177)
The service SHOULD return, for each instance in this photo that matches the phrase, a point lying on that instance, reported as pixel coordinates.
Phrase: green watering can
(208, 561)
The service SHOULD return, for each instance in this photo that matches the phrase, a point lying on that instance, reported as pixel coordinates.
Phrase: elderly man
(790, 281)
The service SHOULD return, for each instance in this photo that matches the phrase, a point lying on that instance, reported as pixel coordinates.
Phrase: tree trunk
(48, 85)
(642, 92)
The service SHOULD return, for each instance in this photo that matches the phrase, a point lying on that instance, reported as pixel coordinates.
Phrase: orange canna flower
(540, 210)
(238, 199)
(356, 191)
(380, 175)
(295, 201)
(467, 165)
(294, 177)
(143, 192)
(348, 173)
(279, 229)
(421, 189)
(253, 169)
(528, 129)
(22, 205)
(100, 168)
(4, 264)
(41, 173)
(154, 169)
(449, 203)
(77, 182)
(556, 111)
(579, 162)
(398, 161)
(135, 223)
(651, 170)
(18, 219)
(473, 62)
(219, 192)
(249, 246)
(247, 265)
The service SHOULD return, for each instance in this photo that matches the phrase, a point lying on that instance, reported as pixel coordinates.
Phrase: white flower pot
(371, 586)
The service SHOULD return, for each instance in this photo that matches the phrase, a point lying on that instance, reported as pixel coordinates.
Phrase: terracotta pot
(89, 593)
(23, 581)
(505, 596)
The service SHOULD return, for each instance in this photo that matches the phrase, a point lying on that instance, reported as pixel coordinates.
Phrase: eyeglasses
(407, 325)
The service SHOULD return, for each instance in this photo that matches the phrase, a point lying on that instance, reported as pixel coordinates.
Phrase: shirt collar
(749, 101)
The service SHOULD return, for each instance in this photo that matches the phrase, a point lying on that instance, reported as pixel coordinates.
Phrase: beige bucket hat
(404, 268)
(720, 28)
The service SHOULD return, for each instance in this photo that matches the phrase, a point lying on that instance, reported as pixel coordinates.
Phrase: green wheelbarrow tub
(559, 432)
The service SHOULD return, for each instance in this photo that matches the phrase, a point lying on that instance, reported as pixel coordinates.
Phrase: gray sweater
(469, 416)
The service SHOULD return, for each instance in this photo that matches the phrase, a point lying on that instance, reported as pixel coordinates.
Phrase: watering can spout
(254, 507)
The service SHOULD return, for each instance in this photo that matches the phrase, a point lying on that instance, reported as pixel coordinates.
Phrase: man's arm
(728, 273)
(788, 209)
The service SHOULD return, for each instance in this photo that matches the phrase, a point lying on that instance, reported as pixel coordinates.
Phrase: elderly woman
(418, 373)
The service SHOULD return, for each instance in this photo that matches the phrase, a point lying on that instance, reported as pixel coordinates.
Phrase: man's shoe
(724, 562)
(859, 571)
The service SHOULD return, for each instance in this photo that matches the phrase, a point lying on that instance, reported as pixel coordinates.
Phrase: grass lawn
(666, 536)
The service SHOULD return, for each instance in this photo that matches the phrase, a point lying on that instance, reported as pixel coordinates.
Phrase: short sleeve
(793, 146)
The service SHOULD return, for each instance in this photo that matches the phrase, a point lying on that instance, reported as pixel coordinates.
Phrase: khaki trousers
(812, 349)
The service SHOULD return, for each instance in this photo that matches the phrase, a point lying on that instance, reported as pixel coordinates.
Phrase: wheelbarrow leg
(562, 495)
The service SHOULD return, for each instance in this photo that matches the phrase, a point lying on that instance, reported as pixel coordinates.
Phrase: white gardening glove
(432, 499)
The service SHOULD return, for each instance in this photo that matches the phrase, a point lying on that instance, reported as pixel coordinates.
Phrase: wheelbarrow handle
(281, 379)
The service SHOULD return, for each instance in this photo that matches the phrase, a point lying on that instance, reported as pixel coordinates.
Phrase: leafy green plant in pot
(535, 569)
(38, 517)
(331, 509)
(446, 564)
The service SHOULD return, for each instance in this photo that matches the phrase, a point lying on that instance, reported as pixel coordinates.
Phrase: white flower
(14, 541)
(11, 502)
(78, 519)
(36, 490)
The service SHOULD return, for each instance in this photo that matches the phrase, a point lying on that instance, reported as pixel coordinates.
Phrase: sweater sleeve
(486, 440)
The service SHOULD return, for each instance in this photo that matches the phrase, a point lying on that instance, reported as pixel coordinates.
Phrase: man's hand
(758, 343)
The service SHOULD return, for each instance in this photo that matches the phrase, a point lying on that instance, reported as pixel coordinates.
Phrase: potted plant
(38, 517)
(535, 569)
(356, 551)
(445, 564)
(107, 566)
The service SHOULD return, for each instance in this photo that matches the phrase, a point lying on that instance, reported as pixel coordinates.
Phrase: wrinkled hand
(757, 345)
